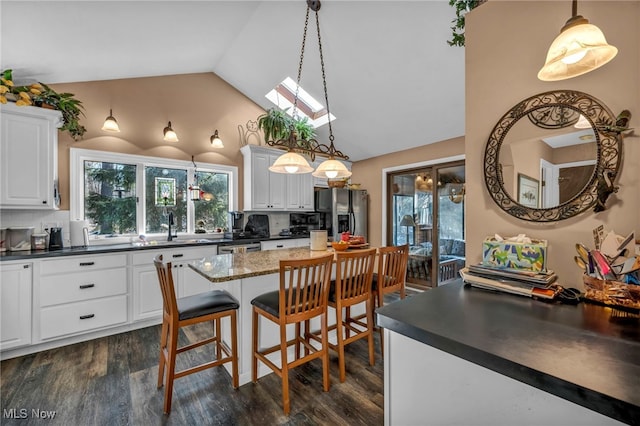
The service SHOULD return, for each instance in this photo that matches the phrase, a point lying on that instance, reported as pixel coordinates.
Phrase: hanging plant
(276, 124)
(462, 7)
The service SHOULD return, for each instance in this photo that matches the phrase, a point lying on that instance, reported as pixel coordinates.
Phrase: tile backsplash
(38, 220)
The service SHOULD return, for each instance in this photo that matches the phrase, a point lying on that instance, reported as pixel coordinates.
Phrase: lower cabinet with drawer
(147, 297)
(82, 293)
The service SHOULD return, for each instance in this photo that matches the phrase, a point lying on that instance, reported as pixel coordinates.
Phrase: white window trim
(76, 177)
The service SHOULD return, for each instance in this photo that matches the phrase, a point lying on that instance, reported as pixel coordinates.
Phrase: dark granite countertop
(587, 354)
(115, 248)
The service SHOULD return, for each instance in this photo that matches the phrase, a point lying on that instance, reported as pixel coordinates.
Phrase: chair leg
(171, 367)
(339, 327)
(285, 370)
(254, 347)
(325, 352)
(297, 341)
(380, 303)
(163, 347)
(218, 342)
(368, 307)
(234, 349)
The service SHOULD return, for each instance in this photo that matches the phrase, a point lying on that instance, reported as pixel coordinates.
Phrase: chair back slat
(354, 274)
(165, 278)
(392, 268)
(304, 287)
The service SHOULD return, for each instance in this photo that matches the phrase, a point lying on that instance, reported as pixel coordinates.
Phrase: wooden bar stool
(303, 293)
(352, 286)
(391, 276)
(210, 306)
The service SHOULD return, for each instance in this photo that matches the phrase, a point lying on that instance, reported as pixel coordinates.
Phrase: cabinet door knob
(44, 201)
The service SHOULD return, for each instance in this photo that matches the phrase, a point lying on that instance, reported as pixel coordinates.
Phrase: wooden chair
(303, 293)
(391, 276)
(210, 306)
(352, 286)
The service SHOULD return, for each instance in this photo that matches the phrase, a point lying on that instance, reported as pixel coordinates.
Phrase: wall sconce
(215, 140)
(110, 123)
(169, 134)
(580, 48)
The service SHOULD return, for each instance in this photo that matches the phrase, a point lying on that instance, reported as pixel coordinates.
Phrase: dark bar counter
(587, 354)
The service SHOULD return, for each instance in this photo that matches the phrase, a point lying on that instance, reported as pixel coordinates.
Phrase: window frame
(76, 183)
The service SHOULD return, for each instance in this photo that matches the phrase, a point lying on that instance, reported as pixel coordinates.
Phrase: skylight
(283, 95)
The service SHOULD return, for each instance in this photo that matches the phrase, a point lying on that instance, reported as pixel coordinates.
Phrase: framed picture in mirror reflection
(528, 191)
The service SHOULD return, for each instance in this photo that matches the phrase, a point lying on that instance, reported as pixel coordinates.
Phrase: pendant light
(580, 48)
(215, 140)
(293, 161)
(169, 134)
(110, 123)
(582, 123)
(195, 193)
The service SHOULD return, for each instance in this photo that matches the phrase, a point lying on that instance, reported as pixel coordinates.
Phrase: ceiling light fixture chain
(292, 162)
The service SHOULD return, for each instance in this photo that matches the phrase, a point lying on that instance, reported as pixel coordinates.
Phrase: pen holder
(612, 293)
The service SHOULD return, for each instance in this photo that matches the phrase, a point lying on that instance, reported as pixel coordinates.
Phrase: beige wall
(369, 174)
(196, 105)
(506, 45)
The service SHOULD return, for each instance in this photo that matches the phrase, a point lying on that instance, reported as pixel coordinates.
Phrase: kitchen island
(247, 276)
(461, 355)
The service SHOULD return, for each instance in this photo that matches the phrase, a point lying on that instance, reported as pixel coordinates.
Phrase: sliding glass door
(426, 211)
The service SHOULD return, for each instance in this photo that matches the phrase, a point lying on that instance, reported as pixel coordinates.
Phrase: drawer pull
(82, 317)
(87, 263)
(177, 255)
(280, 246)
(84, 286)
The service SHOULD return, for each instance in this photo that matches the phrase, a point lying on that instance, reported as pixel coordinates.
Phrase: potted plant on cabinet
(276, 124)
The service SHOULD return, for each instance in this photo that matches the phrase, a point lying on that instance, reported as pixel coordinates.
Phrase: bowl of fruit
(340, 245)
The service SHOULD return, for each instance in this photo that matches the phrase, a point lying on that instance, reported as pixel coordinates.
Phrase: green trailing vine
(462, 7)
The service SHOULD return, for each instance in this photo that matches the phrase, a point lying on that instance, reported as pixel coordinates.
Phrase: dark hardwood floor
(112, 381)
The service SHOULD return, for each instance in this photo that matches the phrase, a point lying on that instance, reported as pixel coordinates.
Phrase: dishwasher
(239, 248)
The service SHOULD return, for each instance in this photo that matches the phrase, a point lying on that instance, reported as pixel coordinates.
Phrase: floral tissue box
(528, 256)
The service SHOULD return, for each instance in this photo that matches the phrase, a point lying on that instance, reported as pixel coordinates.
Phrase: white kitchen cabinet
(263, 190)
(284, 244)
(146, 294)
(29, 157)
(15, 305)
(300, 192)
(81, 293)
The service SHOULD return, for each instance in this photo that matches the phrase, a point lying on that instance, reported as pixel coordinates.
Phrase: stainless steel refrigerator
(343, 210)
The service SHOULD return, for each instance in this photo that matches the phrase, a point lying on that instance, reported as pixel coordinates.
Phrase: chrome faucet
(171, 223)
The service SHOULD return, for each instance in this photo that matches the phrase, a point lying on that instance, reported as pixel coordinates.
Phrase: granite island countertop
(586, 354)
(228, 267)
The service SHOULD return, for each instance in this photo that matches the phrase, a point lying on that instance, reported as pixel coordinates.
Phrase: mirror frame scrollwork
(553, 109)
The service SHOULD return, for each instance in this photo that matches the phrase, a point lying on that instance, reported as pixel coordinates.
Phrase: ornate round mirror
(553, 156)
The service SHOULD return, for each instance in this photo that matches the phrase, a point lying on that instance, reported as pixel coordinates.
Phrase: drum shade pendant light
(293, 161)
(110, 123)
(169, 134)
(215, 140)
(580, 48)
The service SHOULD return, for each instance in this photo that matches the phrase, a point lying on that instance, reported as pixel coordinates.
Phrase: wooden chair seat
(302, 295)
(177, 313)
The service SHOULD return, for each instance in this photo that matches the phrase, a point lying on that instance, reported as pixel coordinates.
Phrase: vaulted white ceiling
(393, 81)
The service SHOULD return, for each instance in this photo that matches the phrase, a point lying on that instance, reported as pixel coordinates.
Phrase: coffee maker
(236, 221)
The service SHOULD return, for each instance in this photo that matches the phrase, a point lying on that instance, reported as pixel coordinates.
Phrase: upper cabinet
(29, 157)
(265, 190)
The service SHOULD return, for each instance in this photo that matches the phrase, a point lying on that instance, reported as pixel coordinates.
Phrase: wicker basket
(336, 183)
(612, 293)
